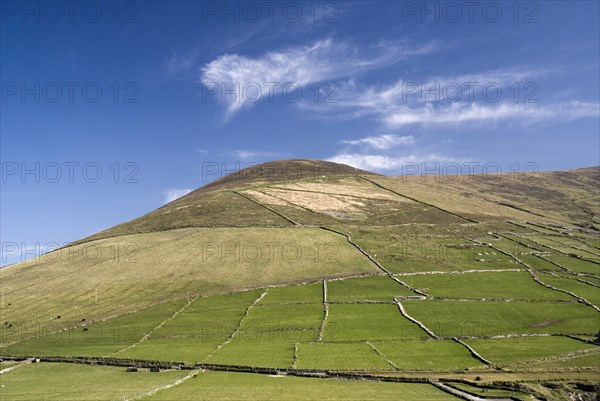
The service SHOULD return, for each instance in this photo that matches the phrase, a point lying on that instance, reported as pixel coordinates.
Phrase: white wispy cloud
(177, 64)
(386, 153)
(173, 193)
(253, 154)
(257, 155)
(380, 162)
(253, 78)
(457, 113)
(435, 101)
(382, 142)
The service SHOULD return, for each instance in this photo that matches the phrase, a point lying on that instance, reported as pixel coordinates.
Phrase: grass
(465, 318)
(339, 356)
(61, 381)
(564, 197)
(209, 316)
(566, 245)
(595, 280)
(284, 316)
(219, 208)
(171, 265)
(223, 386)
(309, 293)
(530, 242)
(100, 338)
(377, 288)
(215, 241)
(197, 331)
(188, 350)
(582, 361)
(492, 392)
(538, 263)
(578, 265)
(369, 322)
(8, 364)
(428, 354)
(268, 333)
(352, 200)
(428, 248)
(303, 216)
(445, 193)
(262, 347)
(589, 292)
(509, 350)
(512, 285)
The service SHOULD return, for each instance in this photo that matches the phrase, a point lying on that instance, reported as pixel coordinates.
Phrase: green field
(172, 265)
(589, 292)
(590, 361)
(218, 386)
(309, 293)
(437, 249)
(262, 347)
(97, 338)
(491, 392)
(537, 263)
(429, 354)
(285, 316)
(577, 265)
(61, 381)
(369, 322)
(460, 318)
(378, 288)
(509, 350)
(340, 356)
(506, 285)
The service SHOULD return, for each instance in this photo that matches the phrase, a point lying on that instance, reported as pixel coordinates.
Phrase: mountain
(309, 192)
(336, 246)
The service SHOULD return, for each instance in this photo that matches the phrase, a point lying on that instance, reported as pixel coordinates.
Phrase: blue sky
(109, 110)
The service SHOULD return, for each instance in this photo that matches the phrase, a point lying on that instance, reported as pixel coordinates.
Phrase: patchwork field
(471, 318)
(510, 350)
(352, 276)
(168, 265)
(58, 381)
(427, 354)
(503, 285)
(369, 322)
(217, 386)
(378, 288)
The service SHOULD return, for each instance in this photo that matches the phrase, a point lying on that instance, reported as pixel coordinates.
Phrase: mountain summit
(301, 192)
(283, 170)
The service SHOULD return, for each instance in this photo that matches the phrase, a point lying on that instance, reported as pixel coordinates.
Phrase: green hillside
(308, 268)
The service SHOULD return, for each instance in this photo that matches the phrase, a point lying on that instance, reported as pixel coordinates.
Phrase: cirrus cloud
(174, 193)
(382, 142)
(230, 75)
